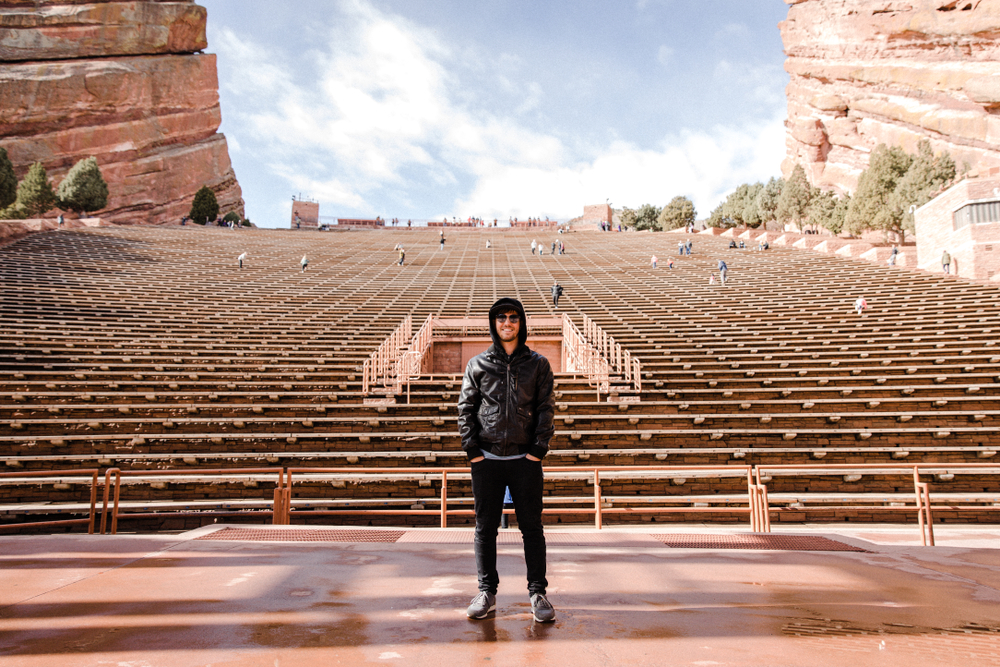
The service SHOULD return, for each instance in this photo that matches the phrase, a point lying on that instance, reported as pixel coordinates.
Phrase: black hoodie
(507, 405)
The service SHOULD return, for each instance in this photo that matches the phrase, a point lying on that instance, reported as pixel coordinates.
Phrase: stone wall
(123, 82)
(892, 72)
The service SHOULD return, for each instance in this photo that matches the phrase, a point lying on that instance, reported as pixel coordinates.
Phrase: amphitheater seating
(148, 348)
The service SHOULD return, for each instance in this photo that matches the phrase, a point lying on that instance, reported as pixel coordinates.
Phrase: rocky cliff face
(865, 72)
(124, 82)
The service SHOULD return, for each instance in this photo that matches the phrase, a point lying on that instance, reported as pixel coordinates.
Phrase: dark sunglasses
(513, 318)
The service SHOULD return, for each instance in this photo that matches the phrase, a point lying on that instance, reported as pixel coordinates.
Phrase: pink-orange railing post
(598, 520)
(444, 499)
(93, 503)
(107, 489)
(926, 488)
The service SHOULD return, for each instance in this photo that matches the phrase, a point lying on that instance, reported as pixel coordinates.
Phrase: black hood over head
(501, 305)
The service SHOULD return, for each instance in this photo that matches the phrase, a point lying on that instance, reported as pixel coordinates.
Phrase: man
(304, 263)
(505, 422)
(557, 291)
(402, 255)
(241, 258)
(723, 270)
(946, 262)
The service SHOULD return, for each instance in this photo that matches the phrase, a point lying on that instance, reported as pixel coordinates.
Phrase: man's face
(508, 325)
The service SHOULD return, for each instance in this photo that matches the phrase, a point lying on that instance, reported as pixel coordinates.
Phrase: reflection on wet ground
(169, 600)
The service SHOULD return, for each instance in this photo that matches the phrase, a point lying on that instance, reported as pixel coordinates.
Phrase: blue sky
(496, 108)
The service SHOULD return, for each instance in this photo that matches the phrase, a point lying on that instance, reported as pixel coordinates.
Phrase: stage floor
(669, 595)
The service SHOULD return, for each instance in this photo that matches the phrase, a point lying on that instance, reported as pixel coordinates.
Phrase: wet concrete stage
(622, 597)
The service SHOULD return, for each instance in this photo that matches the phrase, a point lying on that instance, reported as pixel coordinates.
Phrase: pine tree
(793, 204)
(646, 218)
(735, 205)
(828, 210)
(205, 206)
(8, 181)
(678, 213)
(767, 200)
(927, 175)
(34, 194)
(715, 218)
(84, 189)
(751, 211)
(871, 207)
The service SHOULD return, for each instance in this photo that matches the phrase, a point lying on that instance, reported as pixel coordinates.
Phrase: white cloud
(382, 101)
(763, 83)
(385, 101)
(733, 31)
(664, 55)
(704, 166)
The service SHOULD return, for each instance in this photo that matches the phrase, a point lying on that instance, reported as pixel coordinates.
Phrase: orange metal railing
(595, 352)
(113, 484)
(380, 366)
(54, 476)
(445, 510)
(922, 504)
(757, 506)
(408, 364)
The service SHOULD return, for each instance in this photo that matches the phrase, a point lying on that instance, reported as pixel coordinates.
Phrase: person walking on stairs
(241, 258)
(557, 291)
(304, 262)
(505, 421)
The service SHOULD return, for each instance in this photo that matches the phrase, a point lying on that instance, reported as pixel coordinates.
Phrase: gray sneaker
(481, 605)
(542, 609)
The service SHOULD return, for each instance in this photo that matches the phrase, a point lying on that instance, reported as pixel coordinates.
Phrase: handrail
(581, 356)
(93, 473)
(921, 490)
(409, 362)
(619, 360)
(758, 504)
(118, 473)
(598, 509)
(379, 367)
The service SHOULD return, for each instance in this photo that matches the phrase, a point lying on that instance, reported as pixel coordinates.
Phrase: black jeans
(489, 480)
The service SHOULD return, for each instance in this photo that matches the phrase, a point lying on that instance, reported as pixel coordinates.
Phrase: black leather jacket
(506, 405)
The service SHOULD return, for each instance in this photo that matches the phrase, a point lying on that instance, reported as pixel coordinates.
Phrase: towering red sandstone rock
(865, 72)
(121, 81)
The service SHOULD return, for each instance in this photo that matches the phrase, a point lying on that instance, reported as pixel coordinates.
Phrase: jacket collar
(497, 352)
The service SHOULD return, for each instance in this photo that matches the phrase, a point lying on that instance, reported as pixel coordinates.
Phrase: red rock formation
(120, 81)
(865, 72)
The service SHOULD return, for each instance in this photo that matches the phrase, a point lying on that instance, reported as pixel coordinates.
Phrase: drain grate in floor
(775, 542)
(302, 535)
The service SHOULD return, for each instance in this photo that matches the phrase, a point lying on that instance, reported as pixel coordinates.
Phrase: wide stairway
(151, 352)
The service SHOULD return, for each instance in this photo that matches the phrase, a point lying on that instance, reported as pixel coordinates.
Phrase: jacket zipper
(506, 429)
